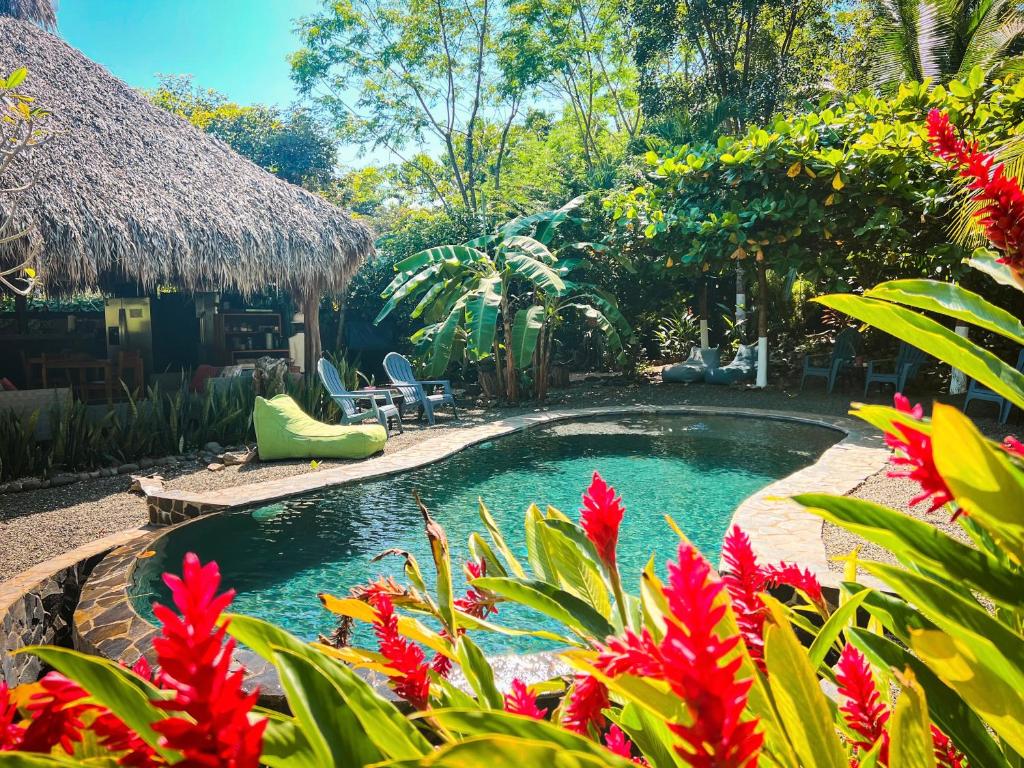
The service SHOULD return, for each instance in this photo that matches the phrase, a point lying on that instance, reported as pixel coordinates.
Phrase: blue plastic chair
(399, 371)
(976, 391)
(348, 402)
(908, 361)
(844, 351)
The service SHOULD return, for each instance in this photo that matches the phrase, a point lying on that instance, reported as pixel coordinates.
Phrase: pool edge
(107, 624)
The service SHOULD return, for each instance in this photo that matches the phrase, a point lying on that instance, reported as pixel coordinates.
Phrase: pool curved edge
(107, 624)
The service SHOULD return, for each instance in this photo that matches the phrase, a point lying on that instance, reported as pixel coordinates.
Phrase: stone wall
(42, 615)
(38, 606)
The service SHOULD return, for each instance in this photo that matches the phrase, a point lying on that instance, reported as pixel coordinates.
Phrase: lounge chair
(743, 366)
(904, 368)
(285, 431)
(399, 371)
(844, 351)
(976, 391)
(349, 401)
(694, 368)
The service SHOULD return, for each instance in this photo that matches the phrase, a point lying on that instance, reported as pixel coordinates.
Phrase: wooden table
(80, 367)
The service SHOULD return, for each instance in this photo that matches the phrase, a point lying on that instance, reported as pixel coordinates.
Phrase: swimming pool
(695, 468)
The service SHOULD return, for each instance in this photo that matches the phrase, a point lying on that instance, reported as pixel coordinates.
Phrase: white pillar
(703, 333)
(958, 381)
(762, 362)
(741, 296)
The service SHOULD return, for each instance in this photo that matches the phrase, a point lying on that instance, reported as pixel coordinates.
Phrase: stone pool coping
(107, 624)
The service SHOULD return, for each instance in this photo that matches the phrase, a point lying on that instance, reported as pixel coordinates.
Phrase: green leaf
(525, 331)
(935, 339)
(997, 700)
(953, 301)
(911, 738)
(407, 288)
(286, 746)
(986, 261)
(574, 571)
(476, 722)
(482, 314)
(530, 247)
(949, 712)
(322, 713)
(478, 673)
(840, 621)
(459, 254)
(111, 685)
(536, 548)
(16, 78)
(382, 723)
(650, 734)
(540, 274)
(551, 601)
(428, 298)
(29, 760)
(499, 541)
(512, 752)
(444, 338)
(915, 542)
(981, 477)
(481, 550)
(802, 706)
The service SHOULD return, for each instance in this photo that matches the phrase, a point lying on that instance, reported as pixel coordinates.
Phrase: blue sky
(238, 47)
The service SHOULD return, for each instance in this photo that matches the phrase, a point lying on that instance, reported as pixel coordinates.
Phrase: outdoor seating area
(475, 385)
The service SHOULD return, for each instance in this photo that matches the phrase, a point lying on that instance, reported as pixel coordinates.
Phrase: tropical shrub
(500, 298)
(677, 332)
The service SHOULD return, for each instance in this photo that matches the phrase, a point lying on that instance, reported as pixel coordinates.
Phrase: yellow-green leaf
(910, 732)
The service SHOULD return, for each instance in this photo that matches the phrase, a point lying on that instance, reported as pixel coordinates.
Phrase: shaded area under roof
(128, 192)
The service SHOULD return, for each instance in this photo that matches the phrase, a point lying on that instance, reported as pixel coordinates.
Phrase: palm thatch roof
(128, 192)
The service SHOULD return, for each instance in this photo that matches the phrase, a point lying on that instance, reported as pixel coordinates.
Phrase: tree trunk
(511, 379)
(762, 322)
(339, 334)
(702, 303)
(311, 314)
(741, 298)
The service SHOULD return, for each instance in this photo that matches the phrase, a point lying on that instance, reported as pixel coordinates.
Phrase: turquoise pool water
(695, 468)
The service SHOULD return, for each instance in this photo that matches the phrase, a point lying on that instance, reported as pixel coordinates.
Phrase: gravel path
(38, 525)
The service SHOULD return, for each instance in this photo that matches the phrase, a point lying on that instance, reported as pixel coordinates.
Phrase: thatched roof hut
(128, 192)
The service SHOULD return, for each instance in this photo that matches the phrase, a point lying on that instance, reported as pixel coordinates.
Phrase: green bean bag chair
(285, 431)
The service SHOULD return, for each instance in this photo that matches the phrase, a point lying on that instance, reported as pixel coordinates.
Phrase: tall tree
(579, 52)
(729, 62)
(409, 75)
(291, 145)
(945, 39)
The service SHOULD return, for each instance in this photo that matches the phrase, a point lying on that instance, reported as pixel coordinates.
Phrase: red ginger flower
(799, 578)
(619, 744)
(1013, 446)
(478, 602)
(913, 451)
(867, 715)
(194, 655)
(583, 709)
(1003, 215)
(519, 701)
(10, 730)
(600, 518)
(696, 664)
(745, 580)
(56, 716)
(862, 708)
(946, 753)
(411, 680)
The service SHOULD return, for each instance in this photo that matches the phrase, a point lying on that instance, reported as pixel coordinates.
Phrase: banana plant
(501, 297)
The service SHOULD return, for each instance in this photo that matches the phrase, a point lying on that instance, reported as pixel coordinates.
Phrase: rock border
(107, 624)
